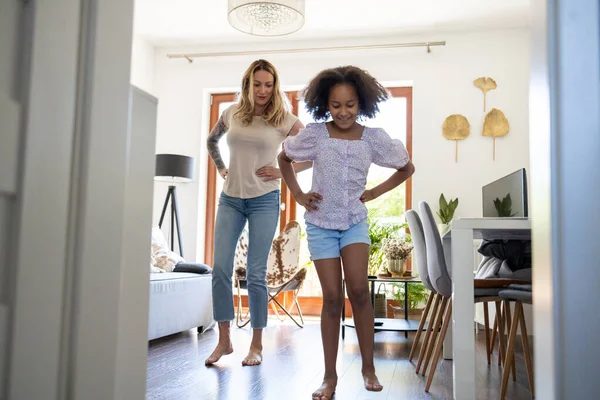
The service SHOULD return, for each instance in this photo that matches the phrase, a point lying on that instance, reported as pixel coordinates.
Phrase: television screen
(506, 197)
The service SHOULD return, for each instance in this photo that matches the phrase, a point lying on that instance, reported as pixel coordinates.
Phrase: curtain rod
(191, 56)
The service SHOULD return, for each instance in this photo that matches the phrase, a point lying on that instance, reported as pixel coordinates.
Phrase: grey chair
(520, 294)
(441, 281)
(416, 228)
(418, 238)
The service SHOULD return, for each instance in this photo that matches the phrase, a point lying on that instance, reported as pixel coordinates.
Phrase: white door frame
(565, 169)
(41, 230)
(69, 241)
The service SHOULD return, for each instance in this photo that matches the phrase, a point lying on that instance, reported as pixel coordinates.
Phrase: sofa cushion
(166, 276)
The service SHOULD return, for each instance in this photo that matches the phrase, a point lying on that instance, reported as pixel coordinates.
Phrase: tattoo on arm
(212, 143)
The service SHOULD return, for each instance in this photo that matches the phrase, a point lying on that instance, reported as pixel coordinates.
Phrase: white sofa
(179, 301)
(180, 292)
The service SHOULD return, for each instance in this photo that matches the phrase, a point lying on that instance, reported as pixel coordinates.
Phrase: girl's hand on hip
(308, 200)
(368, 195)
(268, 173)
(224, 172)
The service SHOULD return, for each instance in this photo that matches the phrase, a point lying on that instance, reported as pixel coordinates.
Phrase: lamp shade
(174, 168)
(266, 17)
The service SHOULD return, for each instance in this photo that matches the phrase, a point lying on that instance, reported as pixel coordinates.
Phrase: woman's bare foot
(371, 382)
(326, 390)
(220, 351)
(253, 358)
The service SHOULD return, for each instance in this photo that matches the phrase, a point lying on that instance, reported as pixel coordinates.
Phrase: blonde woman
(255, 127)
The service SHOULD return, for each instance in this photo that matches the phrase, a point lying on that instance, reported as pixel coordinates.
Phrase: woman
(255, 127)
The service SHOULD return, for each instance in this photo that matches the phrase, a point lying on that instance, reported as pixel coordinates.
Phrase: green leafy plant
(504, 206)
(417, 294)
(377, 232)
(446, 212)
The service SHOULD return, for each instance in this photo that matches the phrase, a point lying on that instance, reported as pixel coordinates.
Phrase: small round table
(385, 324)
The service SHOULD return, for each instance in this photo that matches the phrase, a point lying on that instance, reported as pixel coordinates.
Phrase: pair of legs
(354, 259)
(262, 214)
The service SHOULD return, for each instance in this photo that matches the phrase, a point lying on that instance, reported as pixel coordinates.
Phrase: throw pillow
(193, 268)
(162, 257)
(155, 270)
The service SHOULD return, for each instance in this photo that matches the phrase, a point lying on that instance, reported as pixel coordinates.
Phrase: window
(395, 117)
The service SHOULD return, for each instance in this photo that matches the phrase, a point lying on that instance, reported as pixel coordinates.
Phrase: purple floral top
(340, 169)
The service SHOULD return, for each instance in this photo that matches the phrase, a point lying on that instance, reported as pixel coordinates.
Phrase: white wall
(142, 64)
(443, 85)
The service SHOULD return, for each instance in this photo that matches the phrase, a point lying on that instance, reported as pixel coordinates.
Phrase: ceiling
(191, 22)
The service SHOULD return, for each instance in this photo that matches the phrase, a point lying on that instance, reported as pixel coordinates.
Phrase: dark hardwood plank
(293, 368)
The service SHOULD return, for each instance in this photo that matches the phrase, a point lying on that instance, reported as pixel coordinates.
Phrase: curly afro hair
(370, 92)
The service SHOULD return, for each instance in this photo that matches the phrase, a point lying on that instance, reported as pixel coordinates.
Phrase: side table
(385, 324)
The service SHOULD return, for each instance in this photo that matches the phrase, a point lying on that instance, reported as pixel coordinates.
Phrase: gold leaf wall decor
(456, 127)
(485, 84)
(495, 125)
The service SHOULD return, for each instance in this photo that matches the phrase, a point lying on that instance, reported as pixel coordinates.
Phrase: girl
(342, 151)
(255, 128)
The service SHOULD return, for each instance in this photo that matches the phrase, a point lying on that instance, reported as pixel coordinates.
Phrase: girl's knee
(332, 305)
(359, 297)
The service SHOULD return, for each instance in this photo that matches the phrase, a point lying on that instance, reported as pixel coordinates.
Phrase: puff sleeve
(303, 146)
(387, 152)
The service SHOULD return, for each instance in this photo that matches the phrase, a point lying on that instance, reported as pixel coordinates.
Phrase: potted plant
(446, 212)
(396, 252)
(417, 297)
(378, 231)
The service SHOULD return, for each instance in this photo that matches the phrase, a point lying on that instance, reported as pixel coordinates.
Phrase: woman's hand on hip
(224, 172)
(308, 200)
(269, 173)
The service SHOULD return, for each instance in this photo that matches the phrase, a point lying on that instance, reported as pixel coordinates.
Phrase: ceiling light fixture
(266, 17)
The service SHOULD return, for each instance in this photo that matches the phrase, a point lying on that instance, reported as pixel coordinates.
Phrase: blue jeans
(262, 215)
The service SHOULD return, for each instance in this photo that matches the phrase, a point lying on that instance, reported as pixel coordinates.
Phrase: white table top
(493, 228)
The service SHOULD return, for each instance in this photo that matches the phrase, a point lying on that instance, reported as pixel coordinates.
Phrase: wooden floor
(293, 368)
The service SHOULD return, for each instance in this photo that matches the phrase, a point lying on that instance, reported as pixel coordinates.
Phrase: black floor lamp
(173, 168)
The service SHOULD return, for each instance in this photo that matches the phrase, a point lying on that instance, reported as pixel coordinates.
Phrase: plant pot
(443, 228)
(396, 267)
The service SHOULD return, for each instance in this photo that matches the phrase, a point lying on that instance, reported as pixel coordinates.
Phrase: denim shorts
(328, 243)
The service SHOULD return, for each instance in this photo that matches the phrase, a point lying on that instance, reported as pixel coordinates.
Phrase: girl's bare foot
(220, 351)
(253, 358)
(326, 390)
(371, 382)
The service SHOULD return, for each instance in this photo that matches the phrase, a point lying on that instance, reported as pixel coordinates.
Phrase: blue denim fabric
(262, 215)
(328, 243)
